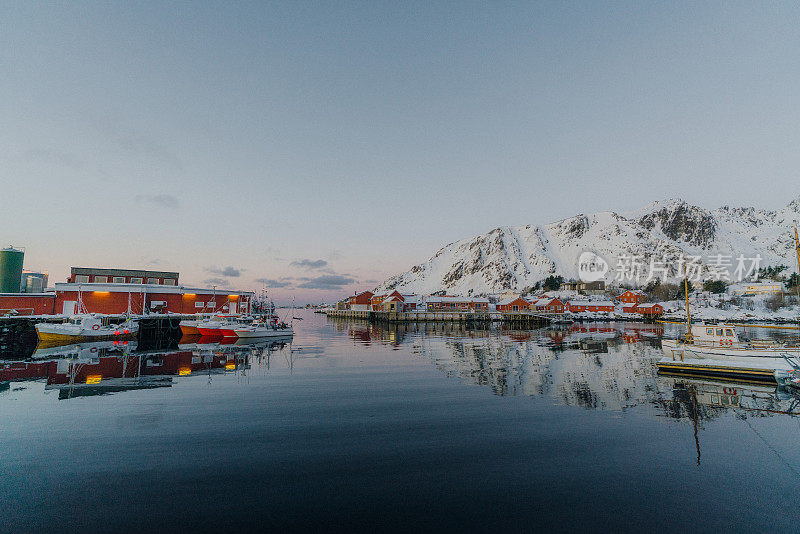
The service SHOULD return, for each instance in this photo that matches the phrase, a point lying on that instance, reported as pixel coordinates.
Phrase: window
(729, 332)
(152, 280)
(719, 331)
(81, 278)
(119, 279)
(136, 280)
(170, 282)
(709, 331)
(199, 304)
(100, 279)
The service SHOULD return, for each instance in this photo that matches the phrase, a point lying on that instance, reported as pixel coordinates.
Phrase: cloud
(160, 200)
(215, 282)
(309, 264)
(227, 271)
(273, 283)
(327, 281)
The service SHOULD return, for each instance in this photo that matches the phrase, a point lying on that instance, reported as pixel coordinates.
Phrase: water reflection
(88, 369)
(605, 366)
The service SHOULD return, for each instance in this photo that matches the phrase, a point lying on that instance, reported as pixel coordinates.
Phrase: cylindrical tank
(10, 270)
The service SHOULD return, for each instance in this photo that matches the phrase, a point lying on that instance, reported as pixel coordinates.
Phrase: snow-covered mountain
(515, 258)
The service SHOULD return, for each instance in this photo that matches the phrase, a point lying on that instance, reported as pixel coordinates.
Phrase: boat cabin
(716, 333)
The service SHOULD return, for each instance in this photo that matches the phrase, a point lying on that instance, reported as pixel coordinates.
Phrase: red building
(450, 303)
(550, 305)
(578, 306)
(119, 298)
(649, 310)
(513, 305)
(632, 296)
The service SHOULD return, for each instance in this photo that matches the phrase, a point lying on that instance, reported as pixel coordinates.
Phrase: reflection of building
(102, 367)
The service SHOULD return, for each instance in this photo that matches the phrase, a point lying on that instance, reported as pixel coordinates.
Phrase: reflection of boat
(87, 327)
(89, 349)
(258, 341)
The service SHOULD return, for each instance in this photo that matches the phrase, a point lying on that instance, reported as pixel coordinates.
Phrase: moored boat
(86, 327)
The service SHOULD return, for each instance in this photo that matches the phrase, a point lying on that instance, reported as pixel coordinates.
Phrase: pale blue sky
(198, 136)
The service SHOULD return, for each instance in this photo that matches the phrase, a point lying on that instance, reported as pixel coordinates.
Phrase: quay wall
(440, 316)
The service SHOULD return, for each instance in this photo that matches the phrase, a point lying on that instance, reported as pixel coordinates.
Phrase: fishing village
(399, 267)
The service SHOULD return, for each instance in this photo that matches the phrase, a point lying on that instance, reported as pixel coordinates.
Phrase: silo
(10, 270)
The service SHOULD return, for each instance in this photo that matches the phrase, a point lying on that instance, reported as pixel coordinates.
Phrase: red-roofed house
(513, 305)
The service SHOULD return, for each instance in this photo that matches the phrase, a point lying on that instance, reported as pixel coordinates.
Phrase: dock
(18, 333)
(518, 319)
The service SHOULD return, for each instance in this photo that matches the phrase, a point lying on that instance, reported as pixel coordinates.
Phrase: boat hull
(763, 365)
(189, 330)
(49, 337)
(264, 333)
(209, 332)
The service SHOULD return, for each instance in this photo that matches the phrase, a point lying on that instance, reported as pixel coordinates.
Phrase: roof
(510, 300)
(458, 299)
(597, 303)
(123, 272)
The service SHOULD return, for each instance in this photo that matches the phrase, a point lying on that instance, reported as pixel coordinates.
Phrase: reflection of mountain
(598, 366)
(106, 367)
(620, 376)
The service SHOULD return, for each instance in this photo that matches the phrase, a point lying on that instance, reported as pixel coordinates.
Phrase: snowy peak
(515, 258)
(682, 222)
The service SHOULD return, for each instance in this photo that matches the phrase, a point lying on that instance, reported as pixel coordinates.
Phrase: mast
(688, 313)
(797, 250)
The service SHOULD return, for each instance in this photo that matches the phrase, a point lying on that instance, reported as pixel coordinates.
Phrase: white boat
(721, 342)
(86, 327)
(264, 327)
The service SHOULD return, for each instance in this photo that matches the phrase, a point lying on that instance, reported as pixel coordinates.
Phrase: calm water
(356, 426)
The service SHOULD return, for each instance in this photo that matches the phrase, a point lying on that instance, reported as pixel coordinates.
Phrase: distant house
(513, 305)
(650, 310)
(756, 288)
(359, 301)
(578, 306)
(394, 301)
(451, 303)
(590, 288)
(632, 296)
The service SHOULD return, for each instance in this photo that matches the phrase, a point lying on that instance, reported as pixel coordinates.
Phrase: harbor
(585, 390)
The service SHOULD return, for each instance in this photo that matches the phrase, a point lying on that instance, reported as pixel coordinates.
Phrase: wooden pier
(520, 319)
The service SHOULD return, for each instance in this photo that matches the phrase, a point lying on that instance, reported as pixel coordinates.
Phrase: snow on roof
(508, 301)
(457, 299)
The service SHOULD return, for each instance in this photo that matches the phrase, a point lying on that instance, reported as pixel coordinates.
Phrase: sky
(321, 147)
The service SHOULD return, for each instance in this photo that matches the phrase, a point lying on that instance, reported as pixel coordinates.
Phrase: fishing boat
(261, 329)
(86, 327)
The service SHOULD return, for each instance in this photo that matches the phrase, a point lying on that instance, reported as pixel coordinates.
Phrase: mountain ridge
(517, 257)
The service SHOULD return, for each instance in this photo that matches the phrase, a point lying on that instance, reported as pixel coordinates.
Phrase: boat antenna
(688, 313)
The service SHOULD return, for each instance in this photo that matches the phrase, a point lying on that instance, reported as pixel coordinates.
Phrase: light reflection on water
(357, 425)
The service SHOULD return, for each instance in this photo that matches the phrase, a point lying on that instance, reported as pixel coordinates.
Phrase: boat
(189, 327)
(86, 327)
(261, 328)
(716, 349)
